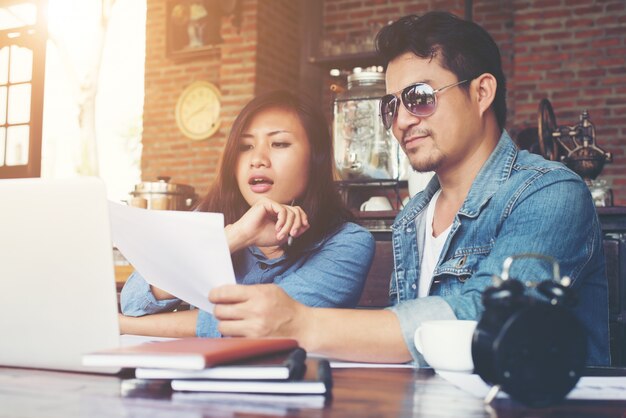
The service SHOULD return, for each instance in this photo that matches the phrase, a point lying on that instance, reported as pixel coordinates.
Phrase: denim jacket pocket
(451, 275)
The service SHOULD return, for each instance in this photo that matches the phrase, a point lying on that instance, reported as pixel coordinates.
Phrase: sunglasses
(419, 99)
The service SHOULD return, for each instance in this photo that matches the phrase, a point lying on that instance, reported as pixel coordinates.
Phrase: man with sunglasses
(488, 201)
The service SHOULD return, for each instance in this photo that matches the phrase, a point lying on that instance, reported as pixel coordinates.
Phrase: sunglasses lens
(419, 99)
(388, 106)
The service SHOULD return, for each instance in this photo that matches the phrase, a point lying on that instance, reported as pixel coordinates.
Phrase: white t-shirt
(431, 249)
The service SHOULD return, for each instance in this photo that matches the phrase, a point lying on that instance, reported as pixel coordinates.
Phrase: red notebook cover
(188, 353)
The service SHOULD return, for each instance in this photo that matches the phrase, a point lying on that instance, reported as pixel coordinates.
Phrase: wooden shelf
(613, 218)
(390, 183)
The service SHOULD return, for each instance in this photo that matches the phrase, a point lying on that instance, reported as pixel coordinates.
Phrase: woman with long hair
(286, 224)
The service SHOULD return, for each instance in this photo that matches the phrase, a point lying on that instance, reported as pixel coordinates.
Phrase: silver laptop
(57, 284)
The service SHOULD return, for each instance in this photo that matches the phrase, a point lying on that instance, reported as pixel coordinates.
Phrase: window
(94, 91)
(22, 61)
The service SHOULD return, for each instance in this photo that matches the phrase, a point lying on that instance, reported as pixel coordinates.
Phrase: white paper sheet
(183, 253)
(588, 387)
(128, 340)
(335, 364)
(342, 364)
(600, 388)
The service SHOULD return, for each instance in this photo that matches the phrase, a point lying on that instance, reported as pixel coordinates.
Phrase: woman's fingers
(298, 230)
(292, 220)
(286, 220)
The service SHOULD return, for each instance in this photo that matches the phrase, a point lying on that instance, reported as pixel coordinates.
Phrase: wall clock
(198, 110)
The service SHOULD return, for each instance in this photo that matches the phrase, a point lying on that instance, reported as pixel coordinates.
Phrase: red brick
(590, 10)
(554, 36)
(580, 22)
(528, 38)
(606, 42)
(618, 6)
(594, 73)
(589, 34)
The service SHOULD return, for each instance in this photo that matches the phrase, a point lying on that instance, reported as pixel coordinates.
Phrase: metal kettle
(163, 195)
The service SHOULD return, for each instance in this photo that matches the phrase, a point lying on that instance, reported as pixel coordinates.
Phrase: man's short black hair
(464, 47)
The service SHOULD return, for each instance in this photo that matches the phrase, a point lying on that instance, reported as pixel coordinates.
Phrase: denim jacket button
(263, 266)
(413, 286)
(409, 230)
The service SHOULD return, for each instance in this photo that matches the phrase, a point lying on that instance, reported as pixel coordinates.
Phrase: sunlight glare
(18, 15)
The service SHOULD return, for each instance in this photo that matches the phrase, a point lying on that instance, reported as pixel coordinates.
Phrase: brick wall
(243, 65)
(570, 51)
(279, 45)
(166, 152)
(347, 19)
(573, 52)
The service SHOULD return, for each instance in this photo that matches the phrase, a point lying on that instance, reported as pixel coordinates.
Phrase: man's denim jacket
(518, 203)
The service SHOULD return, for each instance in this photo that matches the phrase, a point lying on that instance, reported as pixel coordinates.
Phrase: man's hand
(265, 310)
(266, 223)
(258, 311)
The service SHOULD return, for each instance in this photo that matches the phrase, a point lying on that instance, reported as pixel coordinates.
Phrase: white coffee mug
(447, 344)
(376, 203)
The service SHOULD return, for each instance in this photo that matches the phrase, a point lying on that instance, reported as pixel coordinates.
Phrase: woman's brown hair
(321, 200)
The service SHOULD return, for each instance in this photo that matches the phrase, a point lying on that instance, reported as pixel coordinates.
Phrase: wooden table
(357, 393)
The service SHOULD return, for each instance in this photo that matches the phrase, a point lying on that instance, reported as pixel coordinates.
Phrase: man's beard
(428, 162)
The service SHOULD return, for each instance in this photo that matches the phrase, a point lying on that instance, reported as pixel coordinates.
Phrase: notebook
(189, 353)
(317, 380)
(281, 366)
(57, 285)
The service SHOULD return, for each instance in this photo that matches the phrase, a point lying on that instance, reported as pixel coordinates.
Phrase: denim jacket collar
(495, 171)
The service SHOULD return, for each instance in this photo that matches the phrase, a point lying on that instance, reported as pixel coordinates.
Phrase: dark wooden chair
(376, 291)
(614, 248)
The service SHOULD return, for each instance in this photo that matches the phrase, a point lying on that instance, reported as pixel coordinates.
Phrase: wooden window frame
(33, 37)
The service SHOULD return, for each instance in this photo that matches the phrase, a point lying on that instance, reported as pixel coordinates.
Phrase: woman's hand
(263, 310)
(266, 223)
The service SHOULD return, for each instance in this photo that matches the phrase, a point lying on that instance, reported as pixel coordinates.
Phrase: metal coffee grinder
(576, 147)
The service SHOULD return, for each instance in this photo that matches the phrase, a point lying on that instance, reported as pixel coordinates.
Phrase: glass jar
(364, 149)
(600, 192)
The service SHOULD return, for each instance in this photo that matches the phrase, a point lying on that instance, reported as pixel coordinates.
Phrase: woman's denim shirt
(331, 273)
(518, 203)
